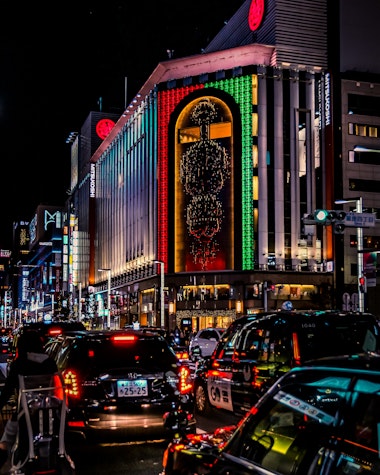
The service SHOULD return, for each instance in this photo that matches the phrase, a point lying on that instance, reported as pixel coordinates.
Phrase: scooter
(41, 416)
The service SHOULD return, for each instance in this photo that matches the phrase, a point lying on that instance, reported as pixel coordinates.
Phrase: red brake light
(123, 338)
(236, 356)
(219, 374)
(58, 385)
(54, 331)
(183, 355)
(255, 373)
(185, 381)
(75, 423)
(215, 364)
(71, 383)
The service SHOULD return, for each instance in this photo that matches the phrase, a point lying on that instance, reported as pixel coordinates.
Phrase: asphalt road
(135, 458)
(121, 457)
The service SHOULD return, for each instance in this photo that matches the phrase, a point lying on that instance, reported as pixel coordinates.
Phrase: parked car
(204, 341)
(123, 382)
(256, 350)
(321, 418)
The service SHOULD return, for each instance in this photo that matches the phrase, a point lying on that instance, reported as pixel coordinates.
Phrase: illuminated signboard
(255, 14)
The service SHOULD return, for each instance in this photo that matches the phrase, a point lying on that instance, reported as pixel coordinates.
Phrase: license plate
(138, 387)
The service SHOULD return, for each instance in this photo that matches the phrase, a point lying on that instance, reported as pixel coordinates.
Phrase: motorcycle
(41, 416)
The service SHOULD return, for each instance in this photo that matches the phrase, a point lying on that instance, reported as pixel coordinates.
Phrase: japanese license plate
(138, 387)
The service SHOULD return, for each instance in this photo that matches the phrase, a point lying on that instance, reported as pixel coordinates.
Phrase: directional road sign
(360, 220)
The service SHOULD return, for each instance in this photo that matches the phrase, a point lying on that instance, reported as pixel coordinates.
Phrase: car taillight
(296, 349)
(185, 381)
(255, 373)
(54, 331)
(182, 355)
(215, 364)
(124, 339)
(71, 383)
(252, 411)
(236, 357)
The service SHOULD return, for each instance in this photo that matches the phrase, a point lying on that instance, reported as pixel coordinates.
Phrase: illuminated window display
(204, 175)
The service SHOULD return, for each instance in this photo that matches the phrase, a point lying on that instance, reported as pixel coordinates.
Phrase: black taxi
(257, 349)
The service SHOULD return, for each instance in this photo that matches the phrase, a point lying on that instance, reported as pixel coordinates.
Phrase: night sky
(56, 64)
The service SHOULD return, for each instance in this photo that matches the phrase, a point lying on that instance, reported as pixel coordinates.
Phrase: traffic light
(322, 216)
(326, 217)
(339, 222)
(362, 284)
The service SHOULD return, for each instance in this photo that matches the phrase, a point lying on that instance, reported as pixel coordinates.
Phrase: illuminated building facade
(187, 178)
(210, 171)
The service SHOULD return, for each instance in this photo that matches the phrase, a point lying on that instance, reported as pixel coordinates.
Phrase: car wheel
(202, 404)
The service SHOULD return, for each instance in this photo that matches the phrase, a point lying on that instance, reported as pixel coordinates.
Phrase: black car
(46, 330)
(255, 350)
(123, 382)
(321, 418)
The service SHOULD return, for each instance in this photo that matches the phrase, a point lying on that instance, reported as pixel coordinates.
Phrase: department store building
(190, 210)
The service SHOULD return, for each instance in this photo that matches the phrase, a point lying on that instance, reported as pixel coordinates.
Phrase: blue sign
(360, 220)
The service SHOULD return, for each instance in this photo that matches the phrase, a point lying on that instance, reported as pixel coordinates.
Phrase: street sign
(360, 220)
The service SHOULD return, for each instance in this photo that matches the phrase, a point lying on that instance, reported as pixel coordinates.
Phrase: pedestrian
(30, 359)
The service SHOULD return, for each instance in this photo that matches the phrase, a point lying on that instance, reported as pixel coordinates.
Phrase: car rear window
(119, 353)
(316, 339)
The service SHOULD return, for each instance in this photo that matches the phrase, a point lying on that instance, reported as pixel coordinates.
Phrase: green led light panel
(240, 88)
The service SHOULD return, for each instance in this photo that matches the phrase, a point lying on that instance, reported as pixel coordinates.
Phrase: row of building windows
(368, 186)
(366, 156)
(364, 130)
(363, 105)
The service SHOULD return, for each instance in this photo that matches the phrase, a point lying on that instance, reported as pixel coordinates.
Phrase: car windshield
(292, 426)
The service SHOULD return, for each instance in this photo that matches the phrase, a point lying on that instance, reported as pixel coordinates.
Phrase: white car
(204, 342)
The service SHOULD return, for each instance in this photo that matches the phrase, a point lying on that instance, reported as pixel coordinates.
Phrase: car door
(220, 374)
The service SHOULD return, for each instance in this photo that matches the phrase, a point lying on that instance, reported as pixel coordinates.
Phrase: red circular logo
(104, 127)
(255, 14)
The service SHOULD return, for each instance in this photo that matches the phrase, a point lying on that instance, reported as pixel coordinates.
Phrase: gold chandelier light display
(204, 169)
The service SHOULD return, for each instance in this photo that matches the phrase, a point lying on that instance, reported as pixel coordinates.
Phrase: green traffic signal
(322, 215)
(327, 217)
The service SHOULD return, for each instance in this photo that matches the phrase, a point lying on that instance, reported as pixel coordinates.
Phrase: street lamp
(108, 296)
(80, 301)
(52, 303)
(162, 295)
(360, 257)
